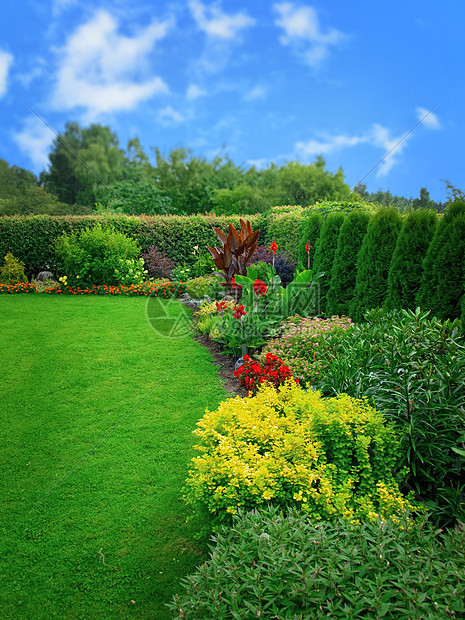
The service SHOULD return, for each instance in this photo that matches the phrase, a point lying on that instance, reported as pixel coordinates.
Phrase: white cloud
(258, 92)
(35, 140)
(378, 137)
(259, 164)
(99, 68)
(313, 148)
(170, 116)
(428, 118)
(6, 61)
(217, 24)
(194, 92)
(303, 33)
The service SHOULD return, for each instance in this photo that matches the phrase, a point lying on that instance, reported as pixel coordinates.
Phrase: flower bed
(162, 288)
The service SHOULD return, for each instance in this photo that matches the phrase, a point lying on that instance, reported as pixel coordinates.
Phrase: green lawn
(97, 413)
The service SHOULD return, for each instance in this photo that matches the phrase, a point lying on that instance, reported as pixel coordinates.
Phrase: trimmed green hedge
(32, 238)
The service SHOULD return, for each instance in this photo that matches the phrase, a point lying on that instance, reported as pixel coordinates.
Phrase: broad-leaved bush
(331, 457)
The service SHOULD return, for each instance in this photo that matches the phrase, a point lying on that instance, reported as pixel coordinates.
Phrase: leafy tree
(36, 201)
(374, 260)
(134, 198)
(407, 261)
(244, 199)
(306, 184)
(344, 271)
(324, 253)
(81, 161)
(433, 269)
(14, 180)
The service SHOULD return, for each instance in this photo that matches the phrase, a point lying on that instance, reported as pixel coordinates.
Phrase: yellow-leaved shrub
(333, 457)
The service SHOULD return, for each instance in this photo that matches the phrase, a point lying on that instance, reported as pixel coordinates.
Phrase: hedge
(32, 238)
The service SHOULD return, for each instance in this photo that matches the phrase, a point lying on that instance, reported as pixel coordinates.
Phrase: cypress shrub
(373, 262)
(324, 253)
(427, 297)
(344, 271)
(450, 271)
(310, 231)
(283, 225)
(407, 261)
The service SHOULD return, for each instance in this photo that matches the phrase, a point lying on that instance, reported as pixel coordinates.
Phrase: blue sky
(259, 80)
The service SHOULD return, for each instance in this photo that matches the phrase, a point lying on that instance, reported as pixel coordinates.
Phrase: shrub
(43, 285)
(275, 565)
(205, 286)
(308, 345)
(310, 231)
(373, 262)
(284, 265)
(96, 256)
(324, 254)
(412, 368)
(284, 226)
(344, 270)
(252, 374)
(407, 261)
(427, 297)
(157, 264)
(333, 457)
(12, 271)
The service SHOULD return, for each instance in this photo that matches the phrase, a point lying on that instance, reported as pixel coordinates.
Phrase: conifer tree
(311, 225)
(344, 271)
(430, 277)
(324, 254)
(374, 260)
(407, 261)
(449, 267)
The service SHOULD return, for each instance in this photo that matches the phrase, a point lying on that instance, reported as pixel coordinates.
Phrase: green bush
(331, 457)
(440, 254)
(324, 254)
(407, 261)
(310, 231)
(412, 368)
(32, 238)
(373, 262)
(344, 270)
(98, 256)
(284, 227)
(12, 270)
(205, 286)
(275, 565)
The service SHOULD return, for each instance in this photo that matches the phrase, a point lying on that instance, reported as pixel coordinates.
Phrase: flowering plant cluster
(239, 311)
(309, 345)
(252, 374)
(160, 288)
(333, 458)
(21, 287)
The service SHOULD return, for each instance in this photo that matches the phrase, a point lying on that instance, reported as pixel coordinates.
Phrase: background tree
(324, 254)
(373, 262)
(406, 267)
(344, 271)
(134, 198)
(72, 180)
(14, 180)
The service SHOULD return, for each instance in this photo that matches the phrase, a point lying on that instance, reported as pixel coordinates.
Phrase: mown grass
(97, 413)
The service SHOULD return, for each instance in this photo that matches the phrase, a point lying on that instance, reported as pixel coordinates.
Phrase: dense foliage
(373, 262)
(331, 457)
(12, 270)
(324, 254)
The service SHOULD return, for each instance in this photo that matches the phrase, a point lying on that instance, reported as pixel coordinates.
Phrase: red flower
(260, 288)
(274, 247)
(307, 246)
(221, 305)
(234, 285)
(239, 311)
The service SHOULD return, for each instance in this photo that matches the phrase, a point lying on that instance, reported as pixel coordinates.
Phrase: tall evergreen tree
(430, 277)
(450, 269)
(407, 261)
(374, 261)
(324, 254)
(310, 231)
(344, 271)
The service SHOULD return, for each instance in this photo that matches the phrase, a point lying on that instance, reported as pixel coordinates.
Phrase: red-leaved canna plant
(236, 253)
(252, 374)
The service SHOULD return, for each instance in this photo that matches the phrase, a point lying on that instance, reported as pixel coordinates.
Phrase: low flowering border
(21, 287)
(166, 289)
